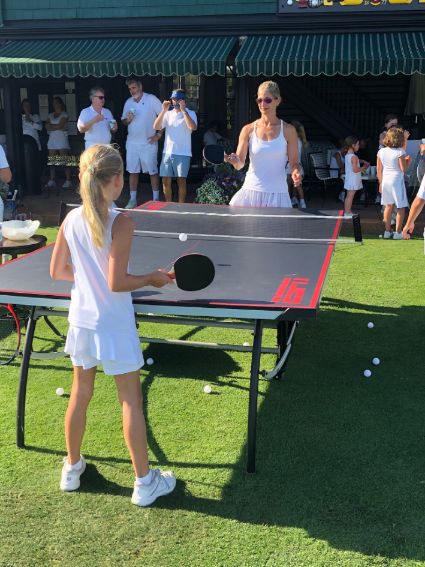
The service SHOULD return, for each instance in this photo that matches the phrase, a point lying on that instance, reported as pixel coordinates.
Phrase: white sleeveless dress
(265, 183)
(102, 322)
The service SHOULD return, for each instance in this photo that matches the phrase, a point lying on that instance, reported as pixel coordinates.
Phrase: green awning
(112, 57)
(331, 54)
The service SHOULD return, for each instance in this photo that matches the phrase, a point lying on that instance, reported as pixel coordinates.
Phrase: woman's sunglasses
(100, 97)
(266, 99)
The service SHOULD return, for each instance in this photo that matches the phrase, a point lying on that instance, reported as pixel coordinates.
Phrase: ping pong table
(270, 263)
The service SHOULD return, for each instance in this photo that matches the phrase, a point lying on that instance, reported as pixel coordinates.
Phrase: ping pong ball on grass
(207, 389)
(370, 325)
(246, 343)
(60, 391)
(367, 373)
(149, 361)
(182, 237)
(376, 361)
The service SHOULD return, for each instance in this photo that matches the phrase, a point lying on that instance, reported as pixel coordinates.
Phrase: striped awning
(112, 57)
(331, 54)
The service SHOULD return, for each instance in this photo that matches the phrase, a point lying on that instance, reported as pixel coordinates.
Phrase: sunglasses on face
(267, 100)
(101, 97)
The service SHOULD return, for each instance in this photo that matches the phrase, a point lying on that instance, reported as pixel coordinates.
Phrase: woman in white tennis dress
(58, 144)
(271, 144)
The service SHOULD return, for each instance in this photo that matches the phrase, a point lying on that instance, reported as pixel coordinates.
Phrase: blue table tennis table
(270, 264)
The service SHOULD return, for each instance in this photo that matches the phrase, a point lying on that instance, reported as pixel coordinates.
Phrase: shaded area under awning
(331, 54)
(113, 57)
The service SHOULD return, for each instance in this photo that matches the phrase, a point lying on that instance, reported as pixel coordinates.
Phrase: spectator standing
(353, 171)
(31, 123)
(179, 123)
(212, 135)
(139, 114)
(96, 122)
(392, 162)
(302, 146)
(58, 144)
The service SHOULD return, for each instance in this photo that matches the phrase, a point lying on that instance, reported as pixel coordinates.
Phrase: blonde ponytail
(98, 165)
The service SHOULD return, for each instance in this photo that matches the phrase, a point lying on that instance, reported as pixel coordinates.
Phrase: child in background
(302, 145)
(353, 173)
(392, 162)
(337, 166)
(102, 327)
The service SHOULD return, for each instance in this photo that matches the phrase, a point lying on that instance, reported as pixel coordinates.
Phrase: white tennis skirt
(117, 352)
(252, 198)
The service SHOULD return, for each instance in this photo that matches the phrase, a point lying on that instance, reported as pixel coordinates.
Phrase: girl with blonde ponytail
(102, 331)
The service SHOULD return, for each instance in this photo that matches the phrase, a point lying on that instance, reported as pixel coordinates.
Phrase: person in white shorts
(58, 144)
(417, 205)
(179, 123)
(96, 122)
(139, 114)
(92, 251)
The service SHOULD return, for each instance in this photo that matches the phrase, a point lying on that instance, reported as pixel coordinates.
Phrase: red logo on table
(291, 291)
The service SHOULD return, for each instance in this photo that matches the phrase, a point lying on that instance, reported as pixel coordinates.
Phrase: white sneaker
(388, 234)
(302, 204)
(163, 482)
(51, 183)
(131, 204)
(70, 479)
(294, 202)
(67, 185)
(348, 215)
(397, 236)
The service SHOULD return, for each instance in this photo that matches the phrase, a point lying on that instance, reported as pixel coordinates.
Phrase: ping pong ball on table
(60, 391)
(370, 325)
(367, 373)
(376, 361)
(182, 237)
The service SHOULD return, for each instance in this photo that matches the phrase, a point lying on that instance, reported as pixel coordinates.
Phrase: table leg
(253, 396)
(23, 379)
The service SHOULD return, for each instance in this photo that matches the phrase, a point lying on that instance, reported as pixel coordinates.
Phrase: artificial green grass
(340, 458)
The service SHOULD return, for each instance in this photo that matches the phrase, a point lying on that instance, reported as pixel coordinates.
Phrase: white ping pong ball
(370, 325)
(182, 237)
(367, 373)
(380, 236)
(246, 343)
(207, 389)
(376, 361)
(60, 391)
(149, 361)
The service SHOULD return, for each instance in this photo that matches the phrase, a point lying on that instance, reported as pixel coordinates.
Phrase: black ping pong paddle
(193, 272)
(214, 154)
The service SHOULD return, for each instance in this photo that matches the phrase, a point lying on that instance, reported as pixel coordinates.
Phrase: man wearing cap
(139, 113)
(179, 123)
(96, 122)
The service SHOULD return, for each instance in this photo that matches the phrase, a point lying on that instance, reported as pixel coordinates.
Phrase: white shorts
(118, 353)
(142, 157)
(58, 145)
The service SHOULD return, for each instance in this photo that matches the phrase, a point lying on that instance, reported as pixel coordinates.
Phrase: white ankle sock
(147, 479)
(133, 195)
(77, 466)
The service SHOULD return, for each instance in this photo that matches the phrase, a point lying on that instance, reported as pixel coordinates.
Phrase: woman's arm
(379, 170)
(355, 164)
(60, 267)
(118, 277)
(404, 162)
(293, 157)
(36, 122)
(237, 159)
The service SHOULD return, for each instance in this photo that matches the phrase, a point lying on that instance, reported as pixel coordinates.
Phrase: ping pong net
(222, 223)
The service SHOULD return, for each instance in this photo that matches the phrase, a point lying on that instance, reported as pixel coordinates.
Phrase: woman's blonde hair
(98, 165)
(300, 132)
(394, 138)
(270, 86)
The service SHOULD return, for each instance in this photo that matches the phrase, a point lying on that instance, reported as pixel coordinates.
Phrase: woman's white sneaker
(70, 478)
(387, 234)
(163, 482)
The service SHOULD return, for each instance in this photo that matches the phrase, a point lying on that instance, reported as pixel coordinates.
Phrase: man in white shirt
(96, 122)
(139, 114)
(179, 123)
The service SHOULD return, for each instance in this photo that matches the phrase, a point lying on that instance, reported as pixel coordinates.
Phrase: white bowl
(19, 230)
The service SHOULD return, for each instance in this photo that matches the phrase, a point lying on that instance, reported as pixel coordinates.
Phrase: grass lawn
(340, 458)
